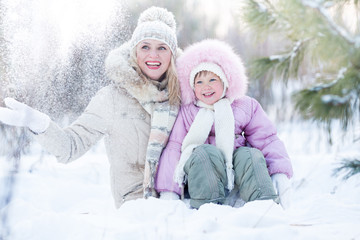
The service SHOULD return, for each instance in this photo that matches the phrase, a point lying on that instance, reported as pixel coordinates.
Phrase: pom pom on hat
(158, 14)
(158, 24)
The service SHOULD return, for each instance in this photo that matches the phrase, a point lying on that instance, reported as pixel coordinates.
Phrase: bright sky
(77, 17)
(71, 19)
(34, 22)
(74, 17)
(224, 8)
(68, 19)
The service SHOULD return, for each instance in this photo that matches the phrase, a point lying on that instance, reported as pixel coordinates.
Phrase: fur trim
(118, 67)
(220, 53)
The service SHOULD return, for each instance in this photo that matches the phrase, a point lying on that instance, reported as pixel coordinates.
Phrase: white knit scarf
(221, 113)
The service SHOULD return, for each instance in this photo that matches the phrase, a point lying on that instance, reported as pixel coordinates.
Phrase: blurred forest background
(302, 56)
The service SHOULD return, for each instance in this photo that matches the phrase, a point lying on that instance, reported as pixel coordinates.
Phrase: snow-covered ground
(57, 201)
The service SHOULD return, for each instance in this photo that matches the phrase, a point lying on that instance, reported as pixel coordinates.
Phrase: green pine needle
(349, 166)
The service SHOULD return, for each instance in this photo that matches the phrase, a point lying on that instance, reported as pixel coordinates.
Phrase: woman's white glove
(282, 186)
(21, 115)
(169, 196)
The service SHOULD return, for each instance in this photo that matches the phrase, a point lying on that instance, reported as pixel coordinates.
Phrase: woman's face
(153, 58)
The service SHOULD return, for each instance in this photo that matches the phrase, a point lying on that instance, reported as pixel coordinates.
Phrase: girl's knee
(247, 154)
(251, 175)
(206, 174)
(207, 148)
(206, 153)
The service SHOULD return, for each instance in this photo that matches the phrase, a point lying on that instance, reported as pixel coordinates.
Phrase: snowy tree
(320, 51)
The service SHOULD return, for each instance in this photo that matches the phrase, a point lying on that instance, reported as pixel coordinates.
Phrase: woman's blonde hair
(170, 76)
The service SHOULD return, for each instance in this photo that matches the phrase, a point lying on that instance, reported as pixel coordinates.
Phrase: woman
(135, 113)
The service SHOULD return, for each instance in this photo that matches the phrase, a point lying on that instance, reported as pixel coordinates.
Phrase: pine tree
(321, 51)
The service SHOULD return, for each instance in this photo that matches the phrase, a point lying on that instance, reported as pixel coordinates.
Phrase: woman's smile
(153, 64)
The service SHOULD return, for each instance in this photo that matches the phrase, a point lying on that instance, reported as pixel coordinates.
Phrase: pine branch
(355, 41)
(329, 47)
(263, 17)
(324, 86)
(337, 99)
(284, 65)
(349, 166)
(312, 106)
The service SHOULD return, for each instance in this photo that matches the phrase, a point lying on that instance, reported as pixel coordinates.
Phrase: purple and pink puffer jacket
(250, 118)
(252, 125)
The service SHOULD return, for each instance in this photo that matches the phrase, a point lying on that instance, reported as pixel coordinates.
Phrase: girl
(223, 146)
(135, 113)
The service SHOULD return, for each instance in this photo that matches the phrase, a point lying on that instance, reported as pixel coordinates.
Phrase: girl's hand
(282, 186)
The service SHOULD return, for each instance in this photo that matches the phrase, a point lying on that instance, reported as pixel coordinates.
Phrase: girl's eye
(162, 48)
(213, 80)
(198, 82)
(145, 47)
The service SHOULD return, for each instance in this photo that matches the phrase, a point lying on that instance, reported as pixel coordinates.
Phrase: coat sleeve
(261, 133)
(70, 143)
(170, 158)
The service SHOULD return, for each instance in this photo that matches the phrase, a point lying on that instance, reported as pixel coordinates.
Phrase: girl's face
(153, 58)
(208, 87)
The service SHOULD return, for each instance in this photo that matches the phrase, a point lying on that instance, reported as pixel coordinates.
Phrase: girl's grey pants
(207, 179)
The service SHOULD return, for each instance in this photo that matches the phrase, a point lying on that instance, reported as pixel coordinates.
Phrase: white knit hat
(158, 24)
(211, 67)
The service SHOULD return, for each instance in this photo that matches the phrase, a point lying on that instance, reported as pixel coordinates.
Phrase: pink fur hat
(211, 51)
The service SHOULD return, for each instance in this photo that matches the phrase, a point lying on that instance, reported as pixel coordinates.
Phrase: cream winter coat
(116, 114)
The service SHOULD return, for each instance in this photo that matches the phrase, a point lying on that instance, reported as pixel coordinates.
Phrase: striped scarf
(154, 98)
(163, 116)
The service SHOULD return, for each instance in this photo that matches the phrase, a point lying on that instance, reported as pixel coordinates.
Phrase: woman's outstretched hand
(21, 115)
(282, 186)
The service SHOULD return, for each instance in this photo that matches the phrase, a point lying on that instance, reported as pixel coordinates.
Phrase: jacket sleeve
(73, 141)
(261, 133)
(170, 158)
